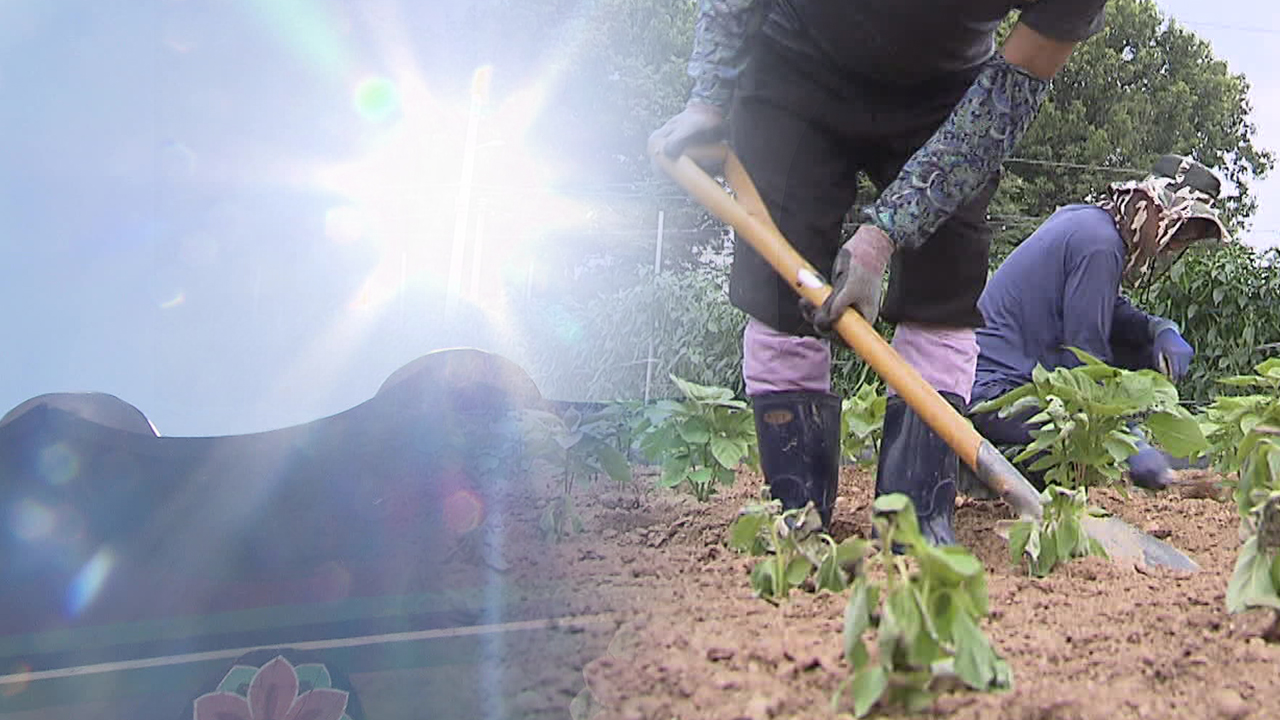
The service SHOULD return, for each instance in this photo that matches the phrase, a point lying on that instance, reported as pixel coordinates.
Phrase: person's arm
(970, 146)
(721, 48)
(1088, 306)
(1155, 342)
(1131, 326)
(1038, 54)
(957, 162)
(1134, 327)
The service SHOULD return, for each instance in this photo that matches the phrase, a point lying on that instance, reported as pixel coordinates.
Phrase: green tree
(1143, 87)
(1227, 300)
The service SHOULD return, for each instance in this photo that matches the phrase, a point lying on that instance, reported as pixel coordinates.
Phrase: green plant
(677, 322)
(1255, 581)
(793, 546)
(926, 620)
(701, 440)
(1229, 419)
(576, 448)
(1252, 425)
(1084, 435)
(1227, 301)
(1059, 536)
(862, 422)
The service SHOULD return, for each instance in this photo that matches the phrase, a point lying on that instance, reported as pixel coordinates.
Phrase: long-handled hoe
(749, 218)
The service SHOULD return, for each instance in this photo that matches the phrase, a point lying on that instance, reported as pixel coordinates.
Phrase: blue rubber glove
(1148, 468)
(1172, 353)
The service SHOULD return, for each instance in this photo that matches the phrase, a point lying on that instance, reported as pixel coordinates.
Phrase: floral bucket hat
(1174, 202)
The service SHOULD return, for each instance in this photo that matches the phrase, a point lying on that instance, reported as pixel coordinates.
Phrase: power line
(1075, 166)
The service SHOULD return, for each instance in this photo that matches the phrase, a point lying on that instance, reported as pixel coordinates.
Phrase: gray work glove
(698, 124)
(856, 279)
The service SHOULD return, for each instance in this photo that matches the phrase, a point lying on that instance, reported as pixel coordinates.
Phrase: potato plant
(1229, 418)
(1085, 415)
(862, 423)
(701, 440)
(1246, 435)
(580, 448)
(1085, 436)
(792, 546)
(1059, 537)
(925, 615)
(1255, 581)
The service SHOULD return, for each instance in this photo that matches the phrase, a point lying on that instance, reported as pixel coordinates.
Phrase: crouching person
(1062, 288)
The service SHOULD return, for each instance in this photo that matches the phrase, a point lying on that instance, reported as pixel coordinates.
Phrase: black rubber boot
(918, 463)
(799, 435)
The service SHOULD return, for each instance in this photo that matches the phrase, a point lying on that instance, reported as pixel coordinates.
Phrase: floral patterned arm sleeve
(962, 155)
(720, 47)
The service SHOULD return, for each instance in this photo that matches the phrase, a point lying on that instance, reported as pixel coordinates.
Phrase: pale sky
(181, 188)
(1246, 33)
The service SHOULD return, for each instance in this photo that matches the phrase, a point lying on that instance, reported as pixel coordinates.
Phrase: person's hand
(1149, 468)
(857, 278)
(1172, 353)
(699, 123)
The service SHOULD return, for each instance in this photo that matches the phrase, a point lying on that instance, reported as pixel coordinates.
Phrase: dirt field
(687, 639)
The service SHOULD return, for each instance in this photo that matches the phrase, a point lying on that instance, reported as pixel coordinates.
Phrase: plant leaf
(857, 618)
(744, 533)
(763, 581)
(868, 686)
(1019, 536)
(701, 477)
(612, 461)
(797, 570)
(830, 577)
(1180, 436)
(727, 452)
(974, 659)
(695, 431)
(1251, 584)
(674, 471)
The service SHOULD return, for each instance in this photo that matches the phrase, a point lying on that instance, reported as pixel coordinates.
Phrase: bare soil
(685, 637)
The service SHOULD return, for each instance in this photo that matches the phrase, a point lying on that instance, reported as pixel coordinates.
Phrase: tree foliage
(1143, 87)
(616, 69)
(1227, 301)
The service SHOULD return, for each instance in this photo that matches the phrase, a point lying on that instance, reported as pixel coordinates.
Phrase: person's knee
(944, 356)
(774, 361)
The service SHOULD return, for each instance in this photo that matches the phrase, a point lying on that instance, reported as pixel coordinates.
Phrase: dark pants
(804, 144)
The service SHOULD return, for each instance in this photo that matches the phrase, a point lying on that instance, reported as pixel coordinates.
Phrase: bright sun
(445, 191)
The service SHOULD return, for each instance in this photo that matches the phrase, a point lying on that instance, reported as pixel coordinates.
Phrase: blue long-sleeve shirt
(1059, 288)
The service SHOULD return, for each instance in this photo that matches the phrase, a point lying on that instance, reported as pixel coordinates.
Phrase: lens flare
(343, 225)
(68, 524)
(89, 581)
(566, 327)
(58, 463)
(32, 521)
(463, 511)
(376, 99)
(16, 680)
(332, 581)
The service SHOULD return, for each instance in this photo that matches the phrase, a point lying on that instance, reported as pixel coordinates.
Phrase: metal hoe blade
(1122, 540)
